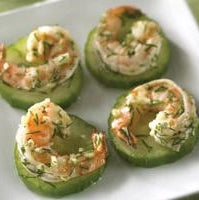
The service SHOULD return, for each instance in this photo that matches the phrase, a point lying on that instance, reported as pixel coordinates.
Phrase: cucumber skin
(60, 189)
(148, 161)
(114, 79)
(63, 95)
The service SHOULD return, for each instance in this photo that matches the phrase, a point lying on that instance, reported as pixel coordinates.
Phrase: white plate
(120, 181)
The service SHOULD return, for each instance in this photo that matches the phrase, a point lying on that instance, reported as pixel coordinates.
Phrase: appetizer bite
(57, 153)
(126, 48)
(154, 123)
(44, 64)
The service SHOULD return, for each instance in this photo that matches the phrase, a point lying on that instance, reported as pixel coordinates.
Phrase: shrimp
(175, 110)
(50, 45)
(35, 140)
(128, 50)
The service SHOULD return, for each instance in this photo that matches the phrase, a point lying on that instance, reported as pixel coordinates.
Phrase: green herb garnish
(149, 148)
(156, 102)
(161, 89)
(36, 119)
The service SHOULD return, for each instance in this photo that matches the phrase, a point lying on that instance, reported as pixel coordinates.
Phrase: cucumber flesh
(147, 152)
(73, 185)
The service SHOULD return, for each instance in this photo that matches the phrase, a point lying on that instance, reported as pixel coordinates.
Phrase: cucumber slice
(63, 95)
(72, 144)
(149, 153)
(102, 73)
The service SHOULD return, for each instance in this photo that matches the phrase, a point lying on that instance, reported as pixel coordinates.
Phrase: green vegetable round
(63, 94)
(73, 185)
(102, 72)
(153, 155)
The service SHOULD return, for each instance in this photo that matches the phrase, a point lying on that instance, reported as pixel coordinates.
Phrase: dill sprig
(148, 147)
(161, 89)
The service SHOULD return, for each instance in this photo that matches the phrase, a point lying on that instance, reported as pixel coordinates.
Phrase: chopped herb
(23, 149)
(36, 37)
(47, 47)
(51, 184)
(149, 148)
(58, 129)
(36, 119)
(172, 129)
(127, 134)
(156, 102)
(160, 126)
(149, 87)
(111, 53)
(127, 41)
(55, 75)
(161, 89)
(43, 109)
(108, 35)
(48, 164)
(138, 110)
(59, 113)
(131, 52)
(72, 44)
(21, 175)
(154, 60)
(97, 140)
(46, 150)
(180, 110)
(177, 141)
(40, 172)
(170, 95)
(149, 46)
(60, 34)
(162, 140)
(35, 52)
(43, 122)
(84, 166)
(38, 83)
(42, 150)
(47, 44)
(122, 19)
(62, 58)
(142, 65)
(190, 126)
(25, 162)
(139, 41)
